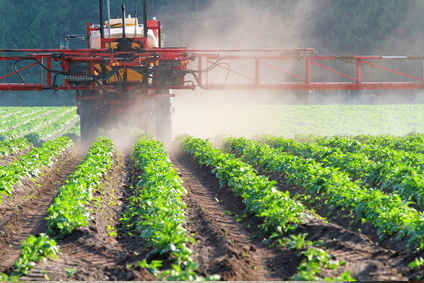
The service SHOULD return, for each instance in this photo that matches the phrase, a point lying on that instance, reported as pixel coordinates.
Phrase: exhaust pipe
(102, 32)
(145, 17)
(108, 16)
(123, 22)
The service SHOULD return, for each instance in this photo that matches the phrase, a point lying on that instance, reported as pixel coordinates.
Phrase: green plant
(69, 271)
(314, 260)
(280, 212)
(33, 249)
(387, 212)
(157, 211)
(69, 210)
(32, 164)
(296, 242)
(416, 263)
(112, 231)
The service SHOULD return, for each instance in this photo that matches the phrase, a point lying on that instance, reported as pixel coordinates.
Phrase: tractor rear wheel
(90, 118)
(163, 119)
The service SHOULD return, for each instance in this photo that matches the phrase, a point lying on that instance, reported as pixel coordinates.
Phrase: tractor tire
(163, 119)
(146, 116)
(90, 120)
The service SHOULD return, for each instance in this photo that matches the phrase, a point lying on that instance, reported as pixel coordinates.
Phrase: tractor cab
(133, 33)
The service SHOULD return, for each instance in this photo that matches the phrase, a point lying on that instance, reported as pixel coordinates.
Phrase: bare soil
(228, 241)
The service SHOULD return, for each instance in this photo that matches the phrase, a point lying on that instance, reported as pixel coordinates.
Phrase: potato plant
(32, 164)
(373, 164)
(12, 146)
(157, 212)
(388, 213)
(279, 212)
(69, 210)
(33, 250)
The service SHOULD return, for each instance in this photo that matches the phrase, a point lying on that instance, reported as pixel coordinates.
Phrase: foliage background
(330, 26)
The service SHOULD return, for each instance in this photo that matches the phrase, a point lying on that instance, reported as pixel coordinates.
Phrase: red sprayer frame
(295, 69)
(315, 72)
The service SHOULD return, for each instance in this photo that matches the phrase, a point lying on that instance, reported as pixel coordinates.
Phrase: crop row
(6, 112)
(12, 146)
(413, 142)
(388, 213)
(157, 211)
(20, 126)
(56, 125)
(42, 123)
(280, 214)
(21, 116)
(34, 249)
(373, 164)
(32, 164)
(292, 120)
(69, 210)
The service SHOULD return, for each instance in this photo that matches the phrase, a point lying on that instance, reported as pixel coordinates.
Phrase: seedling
(69, 271)
(416, 263)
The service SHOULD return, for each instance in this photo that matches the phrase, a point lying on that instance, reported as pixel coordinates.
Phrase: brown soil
(228, 241)
(10, 158)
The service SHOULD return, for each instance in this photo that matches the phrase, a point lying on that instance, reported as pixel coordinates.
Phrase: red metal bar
(283, 71)
(49, 74)
(393, 71)
(315, 86)
(308, 71)
(199, 74)
(21, 69)
(334, 71)
(258, 71)
(235, 72)
(256, 63)
(358, 71)
(19, 86)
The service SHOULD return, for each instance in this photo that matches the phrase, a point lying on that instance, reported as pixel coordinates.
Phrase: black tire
(146, 115)
(163, 119)
(89, 118)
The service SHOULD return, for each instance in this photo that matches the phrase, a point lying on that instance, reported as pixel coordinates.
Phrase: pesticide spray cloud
(232, 24)
(240, 24)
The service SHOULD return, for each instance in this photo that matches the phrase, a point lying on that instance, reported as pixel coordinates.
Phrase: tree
(357, 26)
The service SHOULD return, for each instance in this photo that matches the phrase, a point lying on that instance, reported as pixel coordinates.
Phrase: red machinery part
(304, 71)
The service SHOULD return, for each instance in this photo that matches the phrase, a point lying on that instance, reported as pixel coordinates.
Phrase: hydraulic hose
(60, 72)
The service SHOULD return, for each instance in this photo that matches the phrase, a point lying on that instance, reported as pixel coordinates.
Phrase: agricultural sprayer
(126, 75)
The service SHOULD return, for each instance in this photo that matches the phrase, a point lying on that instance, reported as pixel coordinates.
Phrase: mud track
(228, 241)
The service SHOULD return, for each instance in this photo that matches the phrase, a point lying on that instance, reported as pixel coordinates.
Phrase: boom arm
(179, 68)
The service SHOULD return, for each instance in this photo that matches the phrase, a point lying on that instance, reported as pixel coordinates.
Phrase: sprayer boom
(121, 70)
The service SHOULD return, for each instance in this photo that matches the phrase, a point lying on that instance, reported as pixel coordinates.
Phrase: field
(277, 193)
(290, 120)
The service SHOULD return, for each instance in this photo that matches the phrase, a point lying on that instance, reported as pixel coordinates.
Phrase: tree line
(331, 26)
